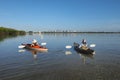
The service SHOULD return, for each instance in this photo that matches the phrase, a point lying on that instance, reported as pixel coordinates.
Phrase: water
(60, 63)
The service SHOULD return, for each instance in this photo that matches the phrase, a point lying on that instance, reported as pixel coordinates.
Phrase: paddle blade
(43, 43)
(68, 47)
(21, 46)
(92, 45)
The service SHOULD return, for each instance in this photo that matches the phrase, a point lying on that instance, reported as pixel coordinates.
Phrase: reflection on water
(41, 36)
(60, 34)
(21, 50)
(2, 37)
(68, 52)
(33, 52)
(86, 56)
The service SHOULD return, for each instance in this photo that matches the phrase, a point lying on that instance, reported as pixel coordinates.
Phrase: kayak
(37, 48)
(82, 50)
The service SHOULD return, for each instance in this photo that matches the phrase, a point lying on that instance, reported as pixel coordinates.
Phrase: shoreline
(77, 32)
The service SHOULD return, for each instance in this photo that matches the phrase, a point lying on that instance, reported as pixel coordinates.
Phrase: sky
(44, 15)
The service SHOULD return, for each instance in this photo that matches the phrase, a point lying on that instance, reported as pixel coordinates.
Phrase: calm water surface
(60, 63)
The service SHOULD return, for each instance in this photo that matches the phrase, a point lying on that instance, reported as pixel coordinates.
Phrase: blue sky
(82, 15)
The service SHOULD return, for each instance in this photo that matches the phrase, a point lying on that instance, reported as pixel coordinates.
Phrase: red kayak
(37, 47)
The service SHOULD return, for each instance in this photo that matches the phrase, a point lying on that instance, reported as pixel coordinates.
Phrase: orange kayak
(38, 48)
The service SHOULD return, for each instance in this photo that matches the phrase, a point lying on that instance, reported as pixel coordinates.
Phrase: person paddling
(34, 43)
(84, 44)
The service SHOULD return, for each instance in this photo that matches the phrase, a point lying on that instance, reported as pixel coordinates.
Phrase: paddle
(92, 45)
(68, 46)
(21, 46)
(43, 43)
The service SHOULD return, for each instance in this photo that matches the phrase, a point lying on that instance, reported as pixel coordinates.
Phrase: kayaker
(84, 44)
(34, 43)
